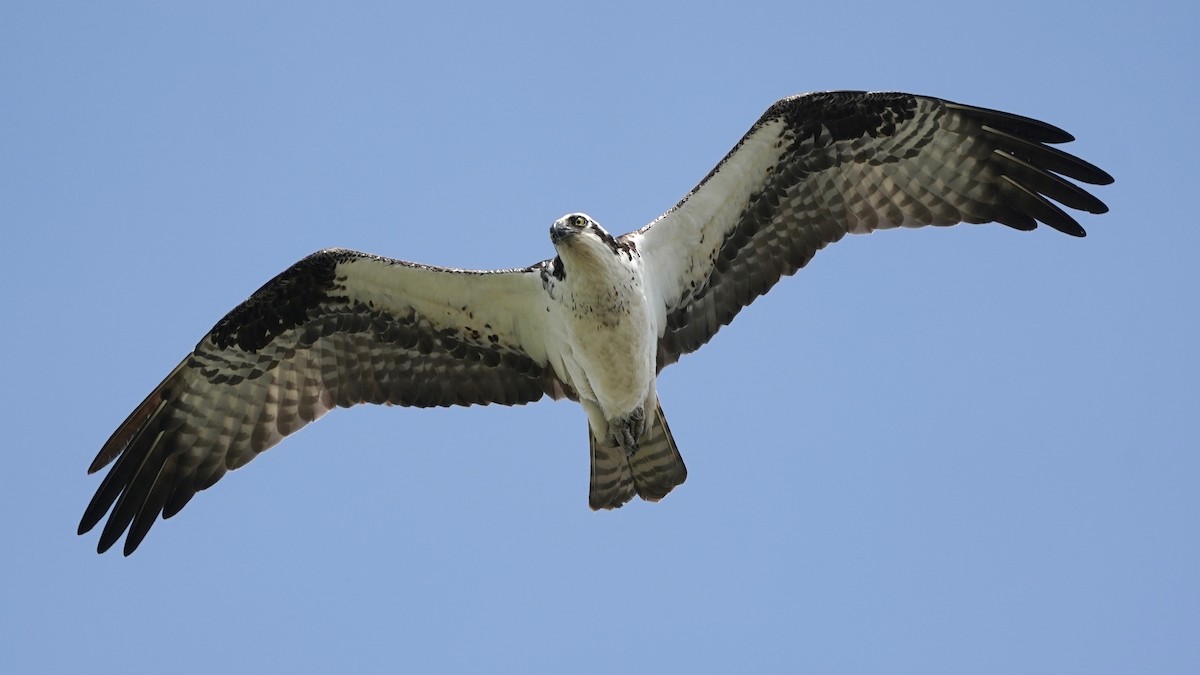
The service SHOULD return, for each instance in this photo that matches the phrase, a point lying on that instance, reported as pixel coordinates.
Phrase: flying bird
(597, 322)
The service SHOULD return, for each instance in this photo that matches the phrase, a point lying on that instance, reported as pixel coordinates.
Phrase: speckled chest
(614, 342)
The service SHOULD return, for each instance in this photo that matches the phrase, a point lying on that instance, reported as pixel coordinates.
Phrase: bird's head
(581, 243)
(571, 226)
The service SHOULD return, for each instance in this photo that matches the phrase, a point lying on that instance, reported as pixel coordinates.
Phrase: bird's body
(597, 322)
(608, 351)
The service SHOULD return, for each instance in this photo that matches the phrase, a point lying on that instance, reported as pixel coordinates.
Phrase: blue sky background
(963, 450)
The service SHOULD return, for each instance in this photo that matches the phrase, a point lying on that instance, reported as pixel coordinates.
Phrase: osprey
(596, 323)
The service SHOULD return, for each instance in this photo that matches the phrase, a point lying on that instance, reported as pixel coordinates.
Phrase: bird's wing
(335, 329)
(816, 167)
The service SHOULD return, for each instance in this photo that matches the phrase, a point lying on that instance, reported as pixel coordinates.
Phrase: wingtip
(107, 539)
(1091, 174)
(1035, 129)
(91, 517)
(107, 542)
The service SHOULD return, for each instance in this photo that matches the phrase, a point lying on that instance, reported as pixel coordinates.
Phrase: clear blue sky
(964, 450)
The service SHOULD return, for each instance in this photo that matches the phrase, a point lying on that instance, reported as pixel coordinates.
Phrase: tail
(653, 471)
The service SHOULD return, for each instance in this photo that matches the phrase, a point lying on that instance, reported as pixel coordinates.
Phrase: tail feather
(651, 473)
(612, 480)
(657, 467)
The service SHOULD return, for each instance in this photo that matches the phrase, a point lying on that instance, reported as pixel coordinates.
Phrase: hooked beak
(560, 232)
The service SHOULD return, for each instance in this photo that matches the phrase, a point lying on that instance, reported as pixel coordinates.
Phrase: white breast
(610, 339)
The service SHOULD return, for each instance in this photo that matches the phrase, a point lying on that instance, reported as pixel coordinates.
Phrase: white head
(582, 243)
(572, 225)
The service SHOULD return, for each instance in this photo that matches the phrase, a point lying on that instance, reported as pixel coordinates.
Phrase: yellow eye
(579, 221)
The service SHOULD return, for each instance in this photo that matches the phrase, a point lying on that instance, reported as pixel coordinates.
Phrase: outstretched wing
(818, 166)
(337, 328)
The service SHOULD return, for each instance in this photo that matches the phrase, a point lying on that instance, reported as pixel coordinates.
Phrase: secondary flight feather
(597, 322)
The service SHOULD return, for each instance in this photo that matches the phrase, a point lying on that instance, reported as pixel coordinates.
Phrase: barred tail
(651, 473)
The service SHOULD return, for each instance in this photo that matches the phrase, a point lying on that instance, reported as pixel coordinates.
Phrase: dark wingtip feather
(111, 489)
(120, 438)
(1032, 172)
(1048, 184)
(1038, 207)
(150, 508)
(1015, 219)
(136, 447)
(178, 499)
(1048, 158)
(1018, 125)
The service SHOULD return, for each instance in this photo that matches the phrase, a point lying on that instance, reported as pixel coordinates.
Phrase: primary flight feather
(596, 323)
